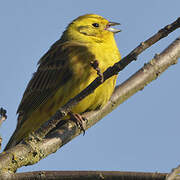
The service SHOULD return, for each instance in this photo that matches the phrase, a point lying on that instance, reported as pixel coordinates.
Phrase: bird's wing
(54, 71)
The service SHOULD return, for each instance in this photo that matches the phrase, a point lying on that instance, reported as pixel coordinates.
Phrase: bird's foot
(79, 120)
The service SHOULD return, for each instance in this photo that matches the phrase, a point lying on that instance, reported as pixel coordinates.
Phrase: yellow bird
(65, 70)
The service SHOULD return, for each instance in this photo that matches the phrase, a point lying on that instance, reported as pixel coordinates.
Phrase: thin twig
(3, 115)
(95, 65)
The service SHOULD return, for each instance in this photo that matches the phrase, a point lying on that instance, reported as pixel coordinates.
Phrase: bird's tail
(12, 142)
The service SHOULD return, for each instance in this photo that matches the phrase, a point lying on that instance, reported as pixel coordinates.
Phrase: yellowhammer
(65, 70)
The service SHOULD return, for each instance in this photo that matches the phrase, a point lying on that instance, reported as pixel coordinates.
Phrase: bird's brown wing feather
(53, 72)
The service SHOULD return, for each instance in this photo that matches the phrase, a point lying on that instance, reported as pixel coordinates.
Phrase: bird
(65, 70)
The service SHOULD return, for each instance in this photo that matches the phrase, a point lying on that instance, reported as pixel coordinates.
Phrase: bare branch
(3, 115)
(88, 175)
(174, 173)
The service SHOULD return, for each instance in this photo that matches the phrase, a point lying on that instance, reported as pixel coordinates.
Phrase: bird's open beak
(109, 28)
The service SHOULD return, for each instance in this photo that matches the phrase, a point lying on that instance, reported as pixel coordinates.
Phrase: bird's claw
(79, 120)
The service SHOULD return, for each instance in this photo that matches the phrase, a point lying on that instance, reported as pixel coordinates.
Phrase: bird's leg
(95, 65)
(78, 119)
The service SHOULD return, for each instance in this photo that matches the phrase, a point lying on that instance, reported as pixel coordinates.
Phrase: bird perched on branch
(65, 70)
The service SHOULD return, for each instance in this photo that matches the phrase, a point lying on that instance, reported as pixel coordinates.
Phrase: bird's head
(90, 28)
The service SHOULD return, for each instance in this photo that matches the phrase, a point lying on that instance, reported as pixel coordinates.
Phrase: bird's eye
(95, 24)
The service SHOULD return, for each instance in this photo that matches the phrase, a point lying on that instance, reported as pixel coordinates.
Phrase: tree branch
(174, 173)
(3, 115)
(89, 175)
(35, 149)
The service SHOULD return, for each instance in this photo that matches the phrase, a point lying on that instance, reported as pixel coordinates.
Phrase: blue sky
(142, 134)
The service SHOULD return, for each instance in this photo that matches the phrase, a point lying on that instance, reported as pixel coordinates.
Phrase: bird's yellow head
(90, 28)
